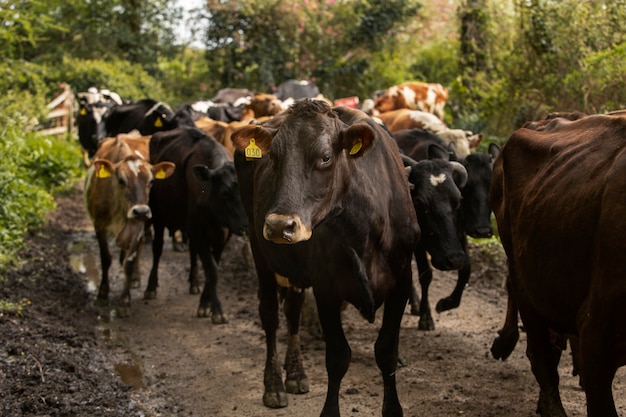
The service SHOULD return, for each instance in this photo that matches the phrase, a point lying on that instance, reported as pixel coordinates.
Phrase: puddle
(130, 374)
(85, 260)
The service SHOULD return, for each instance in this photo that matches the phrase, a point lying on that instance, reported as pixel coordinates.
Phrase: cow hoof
(135, 283)
(218, 319)
(446, 304)
(179, 246)
(297, 386)
(275, 399)
(203, 312)
(503, 346)
(149, 295)
(426, 324)
(194, 289)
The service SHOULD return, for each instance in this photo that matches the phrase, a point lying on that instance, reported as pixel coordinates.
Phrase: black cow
(296, 90)
(93, 106)
(474, 217)
(202, 199)
(231, 95)
(147, 116)
(330, 208)
(435, 182)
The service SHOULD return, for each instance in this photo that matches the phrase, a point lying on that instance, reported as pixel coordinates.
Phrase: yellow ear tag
(158, 122)
(252, 151)
(103, 172)
(160, 175)
(83, 111)
(356, 147)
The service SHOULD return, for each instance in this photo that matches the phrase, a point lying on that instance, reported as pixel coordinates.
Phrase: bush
(33, 168)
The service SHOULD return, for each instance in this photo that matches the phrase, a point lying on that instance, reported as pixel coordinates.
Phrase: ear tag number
(158, 122)
(356, 147)
(159, 175)
(103, 172)
(252, 151)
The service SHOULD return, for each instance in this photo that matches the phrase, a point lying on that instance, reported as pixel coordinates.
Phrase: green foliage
(32, 168)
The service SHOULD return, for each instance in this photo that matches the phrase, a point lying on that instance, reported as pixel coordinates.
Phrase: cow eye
(325, 160)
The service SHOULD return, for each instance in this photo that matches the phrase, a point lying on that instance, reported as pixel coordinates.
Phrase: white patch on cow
(393, 91)
(155, 107)
(428, 120)
(435, 180)
(410, 97)
(134, 166)
(431, 98)
(139, 154)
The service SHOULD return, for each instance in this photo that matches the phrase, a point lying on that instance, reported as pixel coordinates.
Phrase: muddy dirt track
(62, 356)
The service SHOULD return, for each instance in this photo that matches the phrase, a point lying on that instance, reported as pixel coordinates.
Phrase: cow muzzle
(139, 212)
(280, 228)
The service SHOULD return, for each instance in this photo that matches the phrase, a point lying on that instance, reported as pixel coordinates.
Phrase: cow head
(390, 99)
(475, 204)
(435, 190)
(90, 121)
(222, 196)
(127, 184)
(307, 158)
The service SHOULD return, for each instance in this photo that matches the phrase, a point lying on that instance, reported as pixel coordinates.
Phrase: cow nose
(140, 212)
(483, 232)
(278, 227)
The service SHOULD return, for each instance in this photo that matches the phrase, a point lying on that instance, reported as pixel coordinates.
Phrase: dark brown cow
(558, 196)
(329, 208)
(116, 195)
(202, 199)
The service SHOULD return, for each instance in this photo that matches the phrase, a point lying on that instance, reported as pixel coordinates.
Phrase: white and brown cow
(413, 95)
(116, 197)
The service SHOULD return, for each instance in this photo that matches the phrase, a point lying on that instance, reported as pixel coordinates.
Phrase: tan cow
(117, 187)
(414, 95)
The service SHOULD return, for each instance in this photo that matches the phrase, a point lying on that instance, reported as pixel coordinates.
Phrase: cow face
(435, 185)
(223, 197)
(90, 123)
(308, 159)
(125, 185)
(475, 205)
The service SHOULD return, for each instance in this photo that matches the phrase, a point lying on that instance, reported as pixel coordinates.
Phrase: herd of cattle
(367, 190)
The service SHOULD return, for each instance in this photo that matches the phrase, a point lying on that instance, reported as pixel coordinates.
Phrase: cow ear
(163, 170)
(357, 139)
(255, 138)
(103, 168)
(437, 152)
(494, 151)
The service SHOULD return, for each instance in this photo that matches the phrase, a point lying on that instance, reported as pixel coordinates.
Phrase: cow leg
(386, 348)
(157, 251)
(454, 300)
(296, 381)
(425, 271)
(209, 300)
(597, 364)
(105, 262)
(508, 336)
(123, 308)
(194, 283)
(338, 353)
(544, 359)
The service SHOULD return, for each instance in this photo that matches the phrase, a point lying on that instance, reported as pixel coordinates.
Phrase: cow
(116, 198)
(557, 194)
(93, 106)
(263, 105)
(296, 89)
(413, 95)
(147, 116)
(464, 140)
(473, 219)
(202, 199)
(329, 208)
(231, 95)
